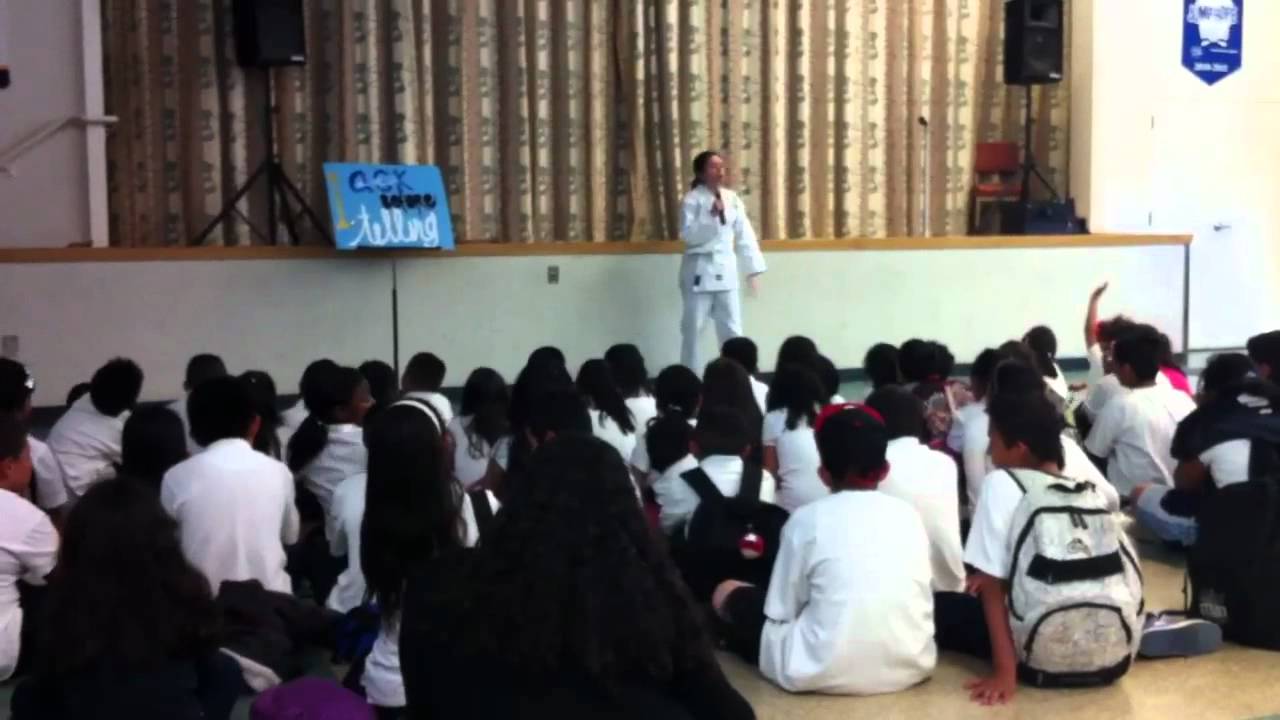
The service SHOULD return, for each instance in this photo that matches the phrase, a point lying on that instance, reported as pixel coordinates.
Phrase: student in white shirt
(790, 451)
(422, 380)
(925, 479)
(200, 368)
(28, 544)
(849, 609)
(154, 440)
(610, 419)
(86, 438)
(743, 351)
(726, 384)
(48, 488)
(1044, 347)
(970, 426)
(632, 375)
(234, 506)
(291, 419)
(829, 376)
(413, 512)
(329, 446)
(668, 440)
(881, 366)
(1133, 435)
(272, 439)
(677, 392)
(481, 430)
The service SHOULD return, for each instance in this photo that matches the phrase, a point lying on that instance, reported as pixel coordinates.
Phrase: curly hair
(570, 579)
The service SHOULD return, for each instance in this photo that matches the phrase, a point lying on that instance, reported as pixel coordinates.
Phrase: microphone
(721, 213)
(922, 121)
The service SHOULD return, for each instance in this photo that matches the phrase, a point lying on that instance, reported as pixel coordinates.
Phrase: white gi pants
(722, 306)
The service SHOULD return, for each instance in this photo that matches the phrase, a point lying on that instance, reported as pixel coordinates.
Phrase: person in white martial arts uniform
(717, 235)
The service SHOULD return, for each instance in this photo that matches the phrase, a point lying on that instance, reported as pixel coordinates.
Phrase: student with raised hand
(423, 379)
(1043, 344)
(743, 351)
(632, 376)
(611, 420)
(790, 451)
(481, 431)
(329, 445)
(881, 366)
(292, 419)
(271, 440)
(28, 549)
(86, 438)
(848, 610)
(926, 480)
(565, 649)
(200, 368)
(234, 506)
(677, 393)
(130, 627)
(48, 486)
(154, 440)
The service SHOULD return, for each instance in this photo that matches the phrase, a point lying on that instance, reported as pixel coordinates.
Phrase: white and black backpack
(1075, 587)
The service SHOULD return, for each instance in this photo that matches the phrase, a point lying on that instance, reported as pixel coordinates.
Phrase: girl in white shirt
(329, 446)
(1044, 347)
(743, 351)
(678, 392)
(87, 438)
(481, 431)
(611, 421)
(790, 451)
(413, 512)
(632, 377)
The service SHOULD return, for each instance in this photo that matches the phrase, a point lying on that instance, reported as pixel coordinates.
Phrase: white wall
(278, 315)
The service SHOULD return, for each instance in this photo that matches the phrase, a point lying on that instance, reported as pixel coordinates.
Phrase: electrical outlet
(9, 346)
(553, 274)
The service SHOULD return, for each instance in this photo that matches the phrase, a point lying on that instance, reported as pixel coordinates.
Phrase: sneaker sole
(1194, 638)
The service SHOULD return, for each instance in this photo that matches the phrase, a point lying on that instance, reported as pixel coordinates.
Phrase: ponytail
(307, 443)
(335, 389)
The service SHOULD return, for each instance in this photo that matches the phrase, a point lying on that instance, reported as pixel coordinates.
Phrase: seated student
(271, 440)
(790, 451)
(1100, 338)
(204, 366)
(848, 610)
(632, 376)
(292, 419)
(566, 649)
(1043, 344)
(925, 479)
(481, 432)
(329, 445)
(829, 376)
(1264, 351)
(611, 420)
(154, 440)
(726, 384)
(678, 393)
(28, 548)
(234, 506)
(722, 444)
(86, 439)
(384, 386)
(743, 351)
(76, 392)
(881, 366)
(797, 350)
(927, 369)
(422, 380)
(1133, 434)
(48, 488)
(1230, 438)
(130, 626)
(668, 441)
(544, 371)
(1170, 370)
(412, 512)
(969, 435)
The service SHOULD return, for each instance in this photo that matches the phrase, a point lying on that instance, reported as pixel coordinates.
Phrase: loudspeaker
(1033, 39)
(1051, 217)
(269, 33)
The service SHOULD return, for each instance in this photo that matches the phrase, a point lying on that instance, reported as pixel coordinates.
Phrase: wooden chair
(996, 178)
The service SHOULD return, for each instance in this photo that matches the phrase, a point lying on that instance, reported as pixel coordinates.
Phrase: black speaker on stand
(269, 34)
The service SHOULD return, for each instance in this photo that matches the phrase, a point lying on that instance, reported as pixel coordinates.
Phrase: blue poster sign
(1212, 38)
(388, 206)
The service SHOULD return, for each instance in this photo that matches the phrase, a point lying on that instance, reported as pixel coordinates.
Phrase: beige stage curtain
(574, 120)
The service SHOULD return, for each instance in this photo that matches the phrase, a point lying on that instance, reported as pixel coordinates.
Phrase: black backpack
(1234, 567)
(710, 549)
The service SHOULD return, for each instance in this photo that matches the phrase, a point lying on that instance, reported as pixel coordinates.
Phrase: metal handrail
(10, 155)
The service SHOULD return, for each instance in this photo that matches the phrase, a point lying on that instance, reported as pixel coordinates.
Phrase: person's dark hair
(1044, 345)
(743, 351)
(424, 373)
(797, 350)
(13, 436)
(76, 392)
(1140, 349)
(486, 400)
(384, 386)
(852, 445)
(796, 389)
(314, 380)
(333, 390)
(667, 441)
(944, 363)
(1264, 349)
(901, 410)
(828, 375)
(629, 370)
(1032, 420)
(413, 509)
(560, 410)
(916, 360)
(154, 440)
(599, 597)
(881, 365)
(16, 386)
(1166, 358)
(678, 391)
(123, 594)
(262, 391)
(1224, 371)
(596, 383)
(983, 371)
(700, 165)
(1111, 330)
(218, 409)
(721, 431)
(1018, 351)
(547, 355)
(202, 367)
(544, 371)
(1017, 379)
(726, 384)
(115, 387)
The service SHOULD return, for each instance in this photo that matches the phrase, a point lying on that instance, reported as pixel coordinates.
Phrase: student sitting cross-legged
(849, 608)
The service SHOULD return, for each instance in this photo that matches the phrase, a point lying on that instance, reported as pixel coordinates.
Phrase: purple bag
(310, 698)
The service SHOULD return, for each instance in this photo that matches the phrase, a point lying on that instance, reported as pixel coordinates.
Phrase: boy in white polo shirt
(48, 488)
(86, 438)
(201, 367)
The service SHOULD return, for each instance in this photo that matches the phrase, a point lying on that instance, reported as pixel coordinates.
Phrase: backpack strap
(425, 407)
(752, 477)
(482, 511)
(701, 484)
(1016, 480)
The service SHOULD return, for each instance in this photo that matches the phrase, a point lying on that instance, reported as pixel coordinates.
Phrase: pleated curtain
(576, 120)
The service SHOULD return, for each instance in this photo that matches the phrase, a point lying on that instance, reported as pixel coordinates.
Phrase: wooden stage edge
(464, 250)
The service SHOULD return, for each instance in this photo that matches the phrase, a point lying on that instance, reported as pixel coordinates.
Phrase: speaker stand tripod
(1029, 167)
(279, 187)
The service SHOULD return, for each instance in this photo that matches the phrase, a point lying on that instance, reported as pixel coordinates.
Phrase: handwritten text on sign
(388, 206)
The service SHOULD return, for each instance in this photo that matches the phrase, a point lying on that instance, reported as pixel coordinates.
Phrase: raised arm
(1091, 317)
